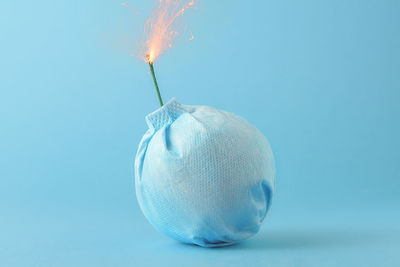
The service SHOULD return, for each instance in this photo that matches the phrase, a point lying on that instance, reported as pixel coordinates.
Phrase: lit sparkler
(164, 29)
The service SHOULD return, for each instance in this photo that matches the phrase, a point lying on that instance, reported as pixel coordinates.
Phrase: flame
(165, 28)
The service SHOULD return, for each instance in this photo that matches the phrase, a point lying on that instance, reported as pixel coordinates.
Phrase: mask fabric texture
(203, 176)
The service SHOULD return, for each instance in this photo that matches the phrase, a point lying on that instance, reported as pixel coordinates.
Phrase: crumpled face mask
(203, 176)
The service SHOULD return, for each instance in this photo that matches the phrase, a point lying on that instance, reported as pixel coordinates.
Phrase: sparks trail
(165, 28)
(131, 8)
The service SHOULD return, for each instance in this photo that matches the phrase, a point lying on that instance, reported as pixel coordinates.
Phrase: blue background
(319, 78)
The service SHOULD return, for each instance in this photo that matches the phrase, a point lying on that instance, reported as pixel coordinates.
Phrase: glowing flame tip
(165, 28)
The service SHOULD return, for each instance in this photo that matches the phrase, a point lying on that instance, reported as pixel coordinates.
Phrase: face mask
(203, 176)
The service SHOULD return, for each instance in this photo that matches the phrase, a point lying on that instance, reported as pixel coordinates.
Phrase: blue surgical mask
(203, 176)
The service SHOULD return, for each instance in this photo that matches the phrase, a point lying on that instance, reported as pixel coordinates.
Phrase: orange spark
(132, 8)
(165, 28)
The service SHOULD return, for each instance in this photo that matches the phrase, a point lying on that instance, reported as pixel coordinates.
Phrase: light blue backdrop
(319, 78)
